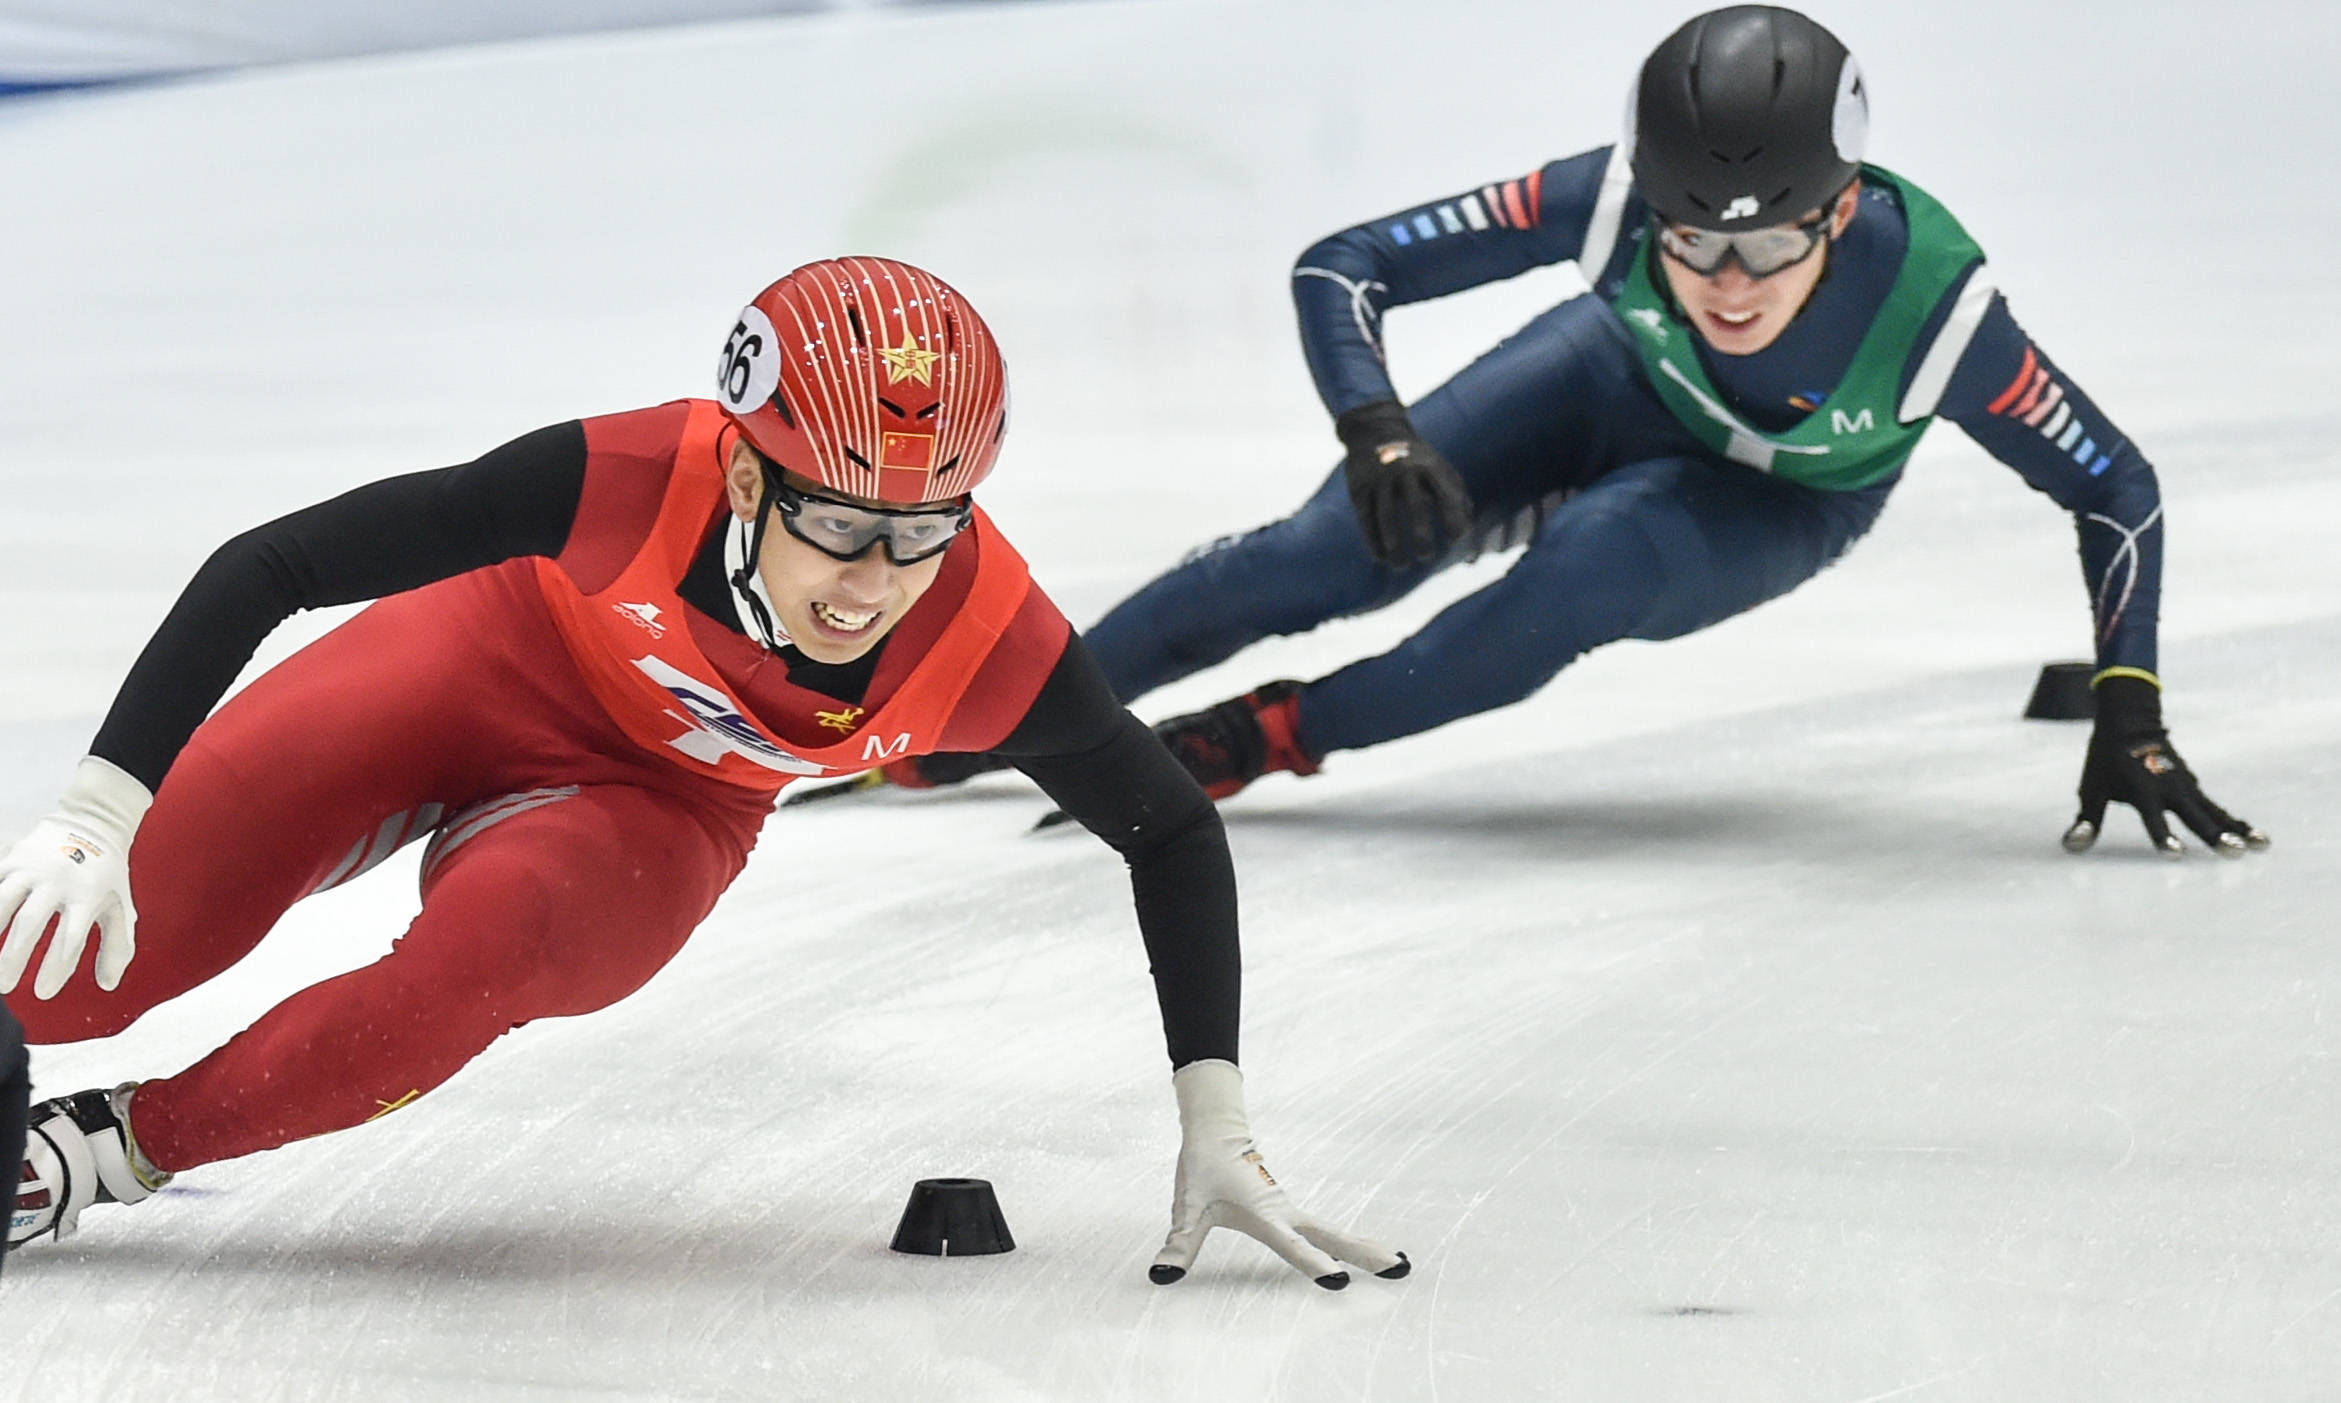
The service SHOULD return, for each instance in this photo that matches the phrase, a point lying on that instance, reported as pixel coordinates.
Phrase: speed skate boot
(1227, 746)
(78, 1151)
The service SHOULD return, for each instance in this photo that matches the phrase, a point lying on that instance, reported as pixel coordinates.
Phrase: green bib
(1854, 439)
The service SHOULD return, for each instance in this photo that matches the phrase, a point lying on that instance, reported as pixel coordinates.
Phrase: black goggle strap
(744, 548)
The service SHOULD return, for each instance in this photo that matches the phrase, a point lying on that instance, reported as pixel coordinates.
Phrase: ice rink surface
(1725, 1022)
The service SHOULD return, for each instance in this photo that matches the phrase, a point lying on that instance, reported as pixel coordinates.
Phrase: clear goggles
(1762, 252)
(847, 530)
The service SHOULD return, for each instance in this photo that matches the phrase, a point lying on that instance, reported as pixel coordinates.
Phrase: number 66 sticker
(749, 370)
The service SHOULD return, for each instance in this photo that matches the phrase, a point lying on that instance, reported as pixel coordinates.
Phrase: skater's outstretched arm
(2027, 412)
(1106, 769)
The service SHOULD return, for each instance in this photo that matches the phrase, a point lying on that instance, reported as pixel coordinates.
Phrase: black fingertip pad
(1395, 1273)
(1334, 1281)
(1164, 1275)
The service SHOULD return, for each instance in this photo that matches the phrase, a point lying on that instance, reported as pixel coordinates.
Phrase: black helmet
(1746, 116)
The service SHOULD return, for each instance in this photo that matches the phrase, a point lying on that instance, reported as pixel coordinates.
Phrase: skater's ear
(1843, 208)
(743, 480)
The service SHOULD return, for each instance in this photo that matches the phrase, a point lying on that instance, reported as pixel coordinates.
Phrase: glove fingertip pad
(1163, 1275)
(1397, 1272)
(1334, 1280)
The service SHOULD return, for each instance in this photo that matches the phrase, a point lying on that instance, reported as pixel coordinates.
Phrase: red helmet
(870, 377)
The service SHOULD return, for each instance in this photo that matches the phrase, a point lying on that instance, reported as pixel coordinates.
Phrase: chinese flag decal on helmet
(870, 377)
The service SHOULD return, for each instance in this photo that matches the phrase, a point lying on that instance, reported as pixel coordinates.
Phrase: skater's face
(833, 610)
(1739, 314)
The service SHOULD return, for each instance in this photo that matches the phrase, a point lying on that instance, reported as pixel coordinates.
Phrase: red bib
(664, 693)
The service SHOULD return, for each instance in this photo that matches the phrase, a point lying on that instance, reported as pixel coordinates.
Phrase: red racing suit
(589, 755)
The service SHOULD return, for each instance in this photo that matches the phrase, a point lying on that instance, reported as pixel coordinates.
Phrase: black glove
(2131, 761)
(1411, 503)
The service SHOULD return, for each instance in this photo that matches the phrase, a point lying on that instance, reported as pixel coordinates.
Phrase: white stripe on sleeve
(1609, 209)
(1950, 343)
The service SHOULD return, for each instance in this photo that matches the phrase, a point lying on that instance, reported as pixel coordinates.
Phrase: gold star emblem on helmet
(908, 362)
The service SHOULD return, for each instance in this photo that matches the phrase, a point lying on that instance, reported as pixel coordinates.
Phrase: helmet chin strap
(743, 546)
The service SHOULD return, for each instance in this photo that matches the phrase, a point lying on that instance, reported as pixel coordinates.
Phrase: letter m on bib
(877, 750)
(1862, 423)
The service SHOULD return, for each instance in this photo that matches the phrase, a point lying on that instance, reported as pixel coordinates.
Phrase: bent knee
(1608, 572)
(537, 945)
(1313, 560)
(486, 932)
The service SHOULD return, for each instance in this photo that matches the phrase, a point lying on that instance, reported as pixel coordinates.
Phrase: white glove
(74, 866)
(1222, 1183)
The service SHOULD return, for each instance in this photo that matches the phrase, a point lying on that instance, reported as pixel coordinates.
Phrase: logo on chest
(643, 616)
(715, 727)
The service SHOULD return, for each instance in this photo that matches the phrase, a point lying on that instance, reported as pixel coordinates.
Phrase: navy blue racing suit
(1633, 528)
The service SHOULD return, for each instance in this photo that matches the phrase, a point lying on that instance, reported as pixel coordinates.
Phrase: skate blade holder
(953, 1218)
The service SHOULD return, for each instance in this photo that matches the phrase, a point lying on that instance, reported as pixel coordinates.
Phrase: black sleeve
(397, 534)
(1105, 768)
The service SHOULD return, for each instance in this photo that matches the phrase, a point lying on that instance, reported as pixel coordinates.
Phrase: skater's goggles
(1762, 252)
(847, 530)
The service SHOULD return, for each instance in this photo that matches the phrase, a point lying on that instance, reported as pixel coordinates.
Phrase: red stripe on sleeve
(1519, 212)
(2015, 386)
(1535, 197)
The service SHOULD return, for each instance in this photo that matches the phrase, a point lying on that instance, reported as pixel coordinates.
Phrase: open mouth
(1735, 321)
(844, 621)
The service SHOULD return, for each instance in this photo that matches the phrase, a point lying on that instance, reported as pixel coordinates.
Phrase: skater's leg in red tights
(558, 910)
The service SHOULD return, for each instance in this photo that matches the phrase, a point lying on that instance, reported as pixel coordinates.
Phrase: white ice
(1723, 1023)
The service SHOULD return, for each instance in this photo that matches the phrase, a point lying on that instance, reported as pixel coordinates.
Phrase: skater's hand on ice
(1411, 503)
(2131, 762)
(74, 868)
(1222, 1183)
